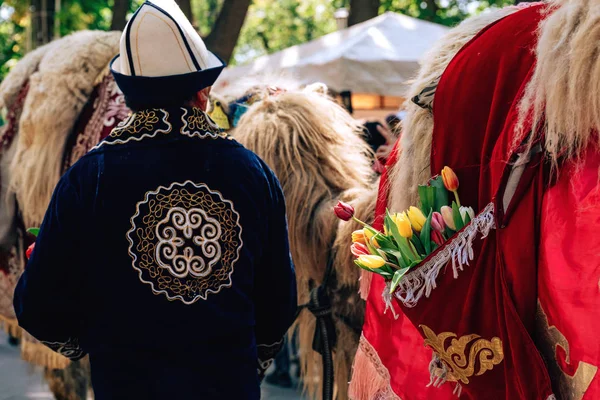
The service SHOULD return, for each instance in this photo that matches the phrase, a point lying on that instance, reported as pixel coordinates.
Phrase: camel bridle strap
(325, 334)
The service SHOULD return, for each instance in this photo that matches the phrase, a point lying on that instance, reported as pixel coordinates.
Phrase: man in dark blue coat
(164, 252)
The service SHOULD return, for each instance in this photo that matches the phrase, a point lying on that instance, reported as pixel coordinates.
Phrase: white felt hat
(161, 54)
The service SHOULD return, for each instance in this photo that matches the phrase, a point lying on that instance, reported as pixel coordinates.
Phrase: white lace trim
(459, 250)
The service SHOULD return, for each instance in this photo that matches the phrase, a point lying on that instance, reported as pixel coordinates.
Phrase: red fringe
(370, 379)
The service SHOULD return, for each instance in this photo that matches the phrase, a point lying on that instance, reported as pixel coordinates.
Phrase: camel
(315, 149)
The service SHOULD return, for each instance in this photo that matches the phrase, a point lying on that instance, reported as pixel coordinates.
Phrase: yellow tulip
(417, 219)
(375, 243)
(371, 262)
(370, 236)
(403, 224)
(358, 236)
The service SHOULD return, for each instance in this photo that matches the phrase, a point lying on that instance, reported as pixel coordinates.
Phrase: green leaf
(442, 196)
(413, 252)
(458, 221)
(34, 231)
(427, 196)
(362, 266)
(407, 255)
(384, 241)
(449, 232)
(426, 234)
(392, 255)
(418, 245)
(397, 278)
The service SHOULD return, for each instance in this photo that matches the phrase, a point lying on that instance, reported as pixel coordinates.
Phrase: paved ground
(21, 381)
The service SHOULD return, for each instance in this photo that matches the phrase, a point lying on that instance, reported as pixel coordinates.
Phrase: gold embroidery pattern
(548, 339)
(141, 125)
(198, 123)
(482, 353)
(185, 240)
(69, 349)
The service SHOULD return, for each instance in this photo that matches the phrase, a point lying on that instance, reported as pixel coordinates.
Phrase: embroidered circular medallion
(185, 240)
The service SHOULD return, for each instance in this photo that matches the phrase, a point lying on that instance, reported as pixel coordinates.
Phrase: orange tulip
(358, 237)
(451, 182)
(450, 179)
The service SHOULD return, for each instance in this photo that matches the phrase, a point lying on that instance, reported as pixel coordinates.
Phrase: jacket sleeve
(275, 282)
(47, 298)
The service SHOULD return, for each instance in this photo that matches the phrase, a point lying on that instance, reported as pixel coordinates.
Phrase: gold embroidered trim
(138, 126)
(198, 123)
(185, 240)
(460, 367)
(36, 353)
(149, 123)
(548, 339)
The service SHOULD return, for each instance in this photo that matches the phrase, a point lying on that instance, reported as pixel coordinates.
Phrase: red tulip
(29, 251)
(344, 211)
(437, 237)
(359, 249)
(437, 222)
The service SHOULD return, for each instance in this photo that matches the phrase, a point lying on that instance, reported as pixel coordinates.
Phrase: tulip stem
(456, 197)
(360, 222)
(392, 265)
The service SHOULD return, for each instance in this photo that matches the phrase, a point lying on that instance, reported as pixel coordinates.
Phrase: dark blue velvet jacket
(164, 256)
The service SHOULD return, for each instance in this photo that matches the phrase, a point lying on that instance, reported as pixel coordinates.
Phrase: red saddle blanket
(480, 319)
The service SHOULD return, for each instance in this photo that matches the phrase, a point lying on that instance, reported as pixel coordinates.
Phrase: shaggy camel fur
(314, 147)
(563, 92)
(61, 76)
(67, 71)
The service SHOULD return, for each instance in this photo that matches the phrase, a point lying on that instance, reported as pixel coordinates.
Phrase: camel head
(314, 147)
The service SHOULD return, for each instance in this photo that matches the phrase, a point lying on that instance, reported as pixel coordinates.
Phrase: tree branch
(363, 10)
(119, 17)
(186, 8)
(224, 35)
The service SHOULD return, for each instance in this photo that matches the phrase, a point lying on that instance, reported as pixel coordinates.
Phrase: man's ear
(202, 98)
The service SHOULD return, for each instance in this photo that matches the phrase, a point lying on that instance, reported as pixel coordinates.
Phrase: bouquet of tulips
(410, 236)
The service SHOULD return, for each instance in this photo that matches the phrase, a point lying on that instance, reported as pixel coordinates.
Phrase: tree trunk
(224, 35)
(119, 17)
(432, 9)
(42, 22)
(186, 7)
(362, 10)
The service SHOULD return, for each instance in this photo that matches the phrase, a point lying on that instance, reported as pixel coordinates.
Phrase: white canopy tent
(377, 56)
